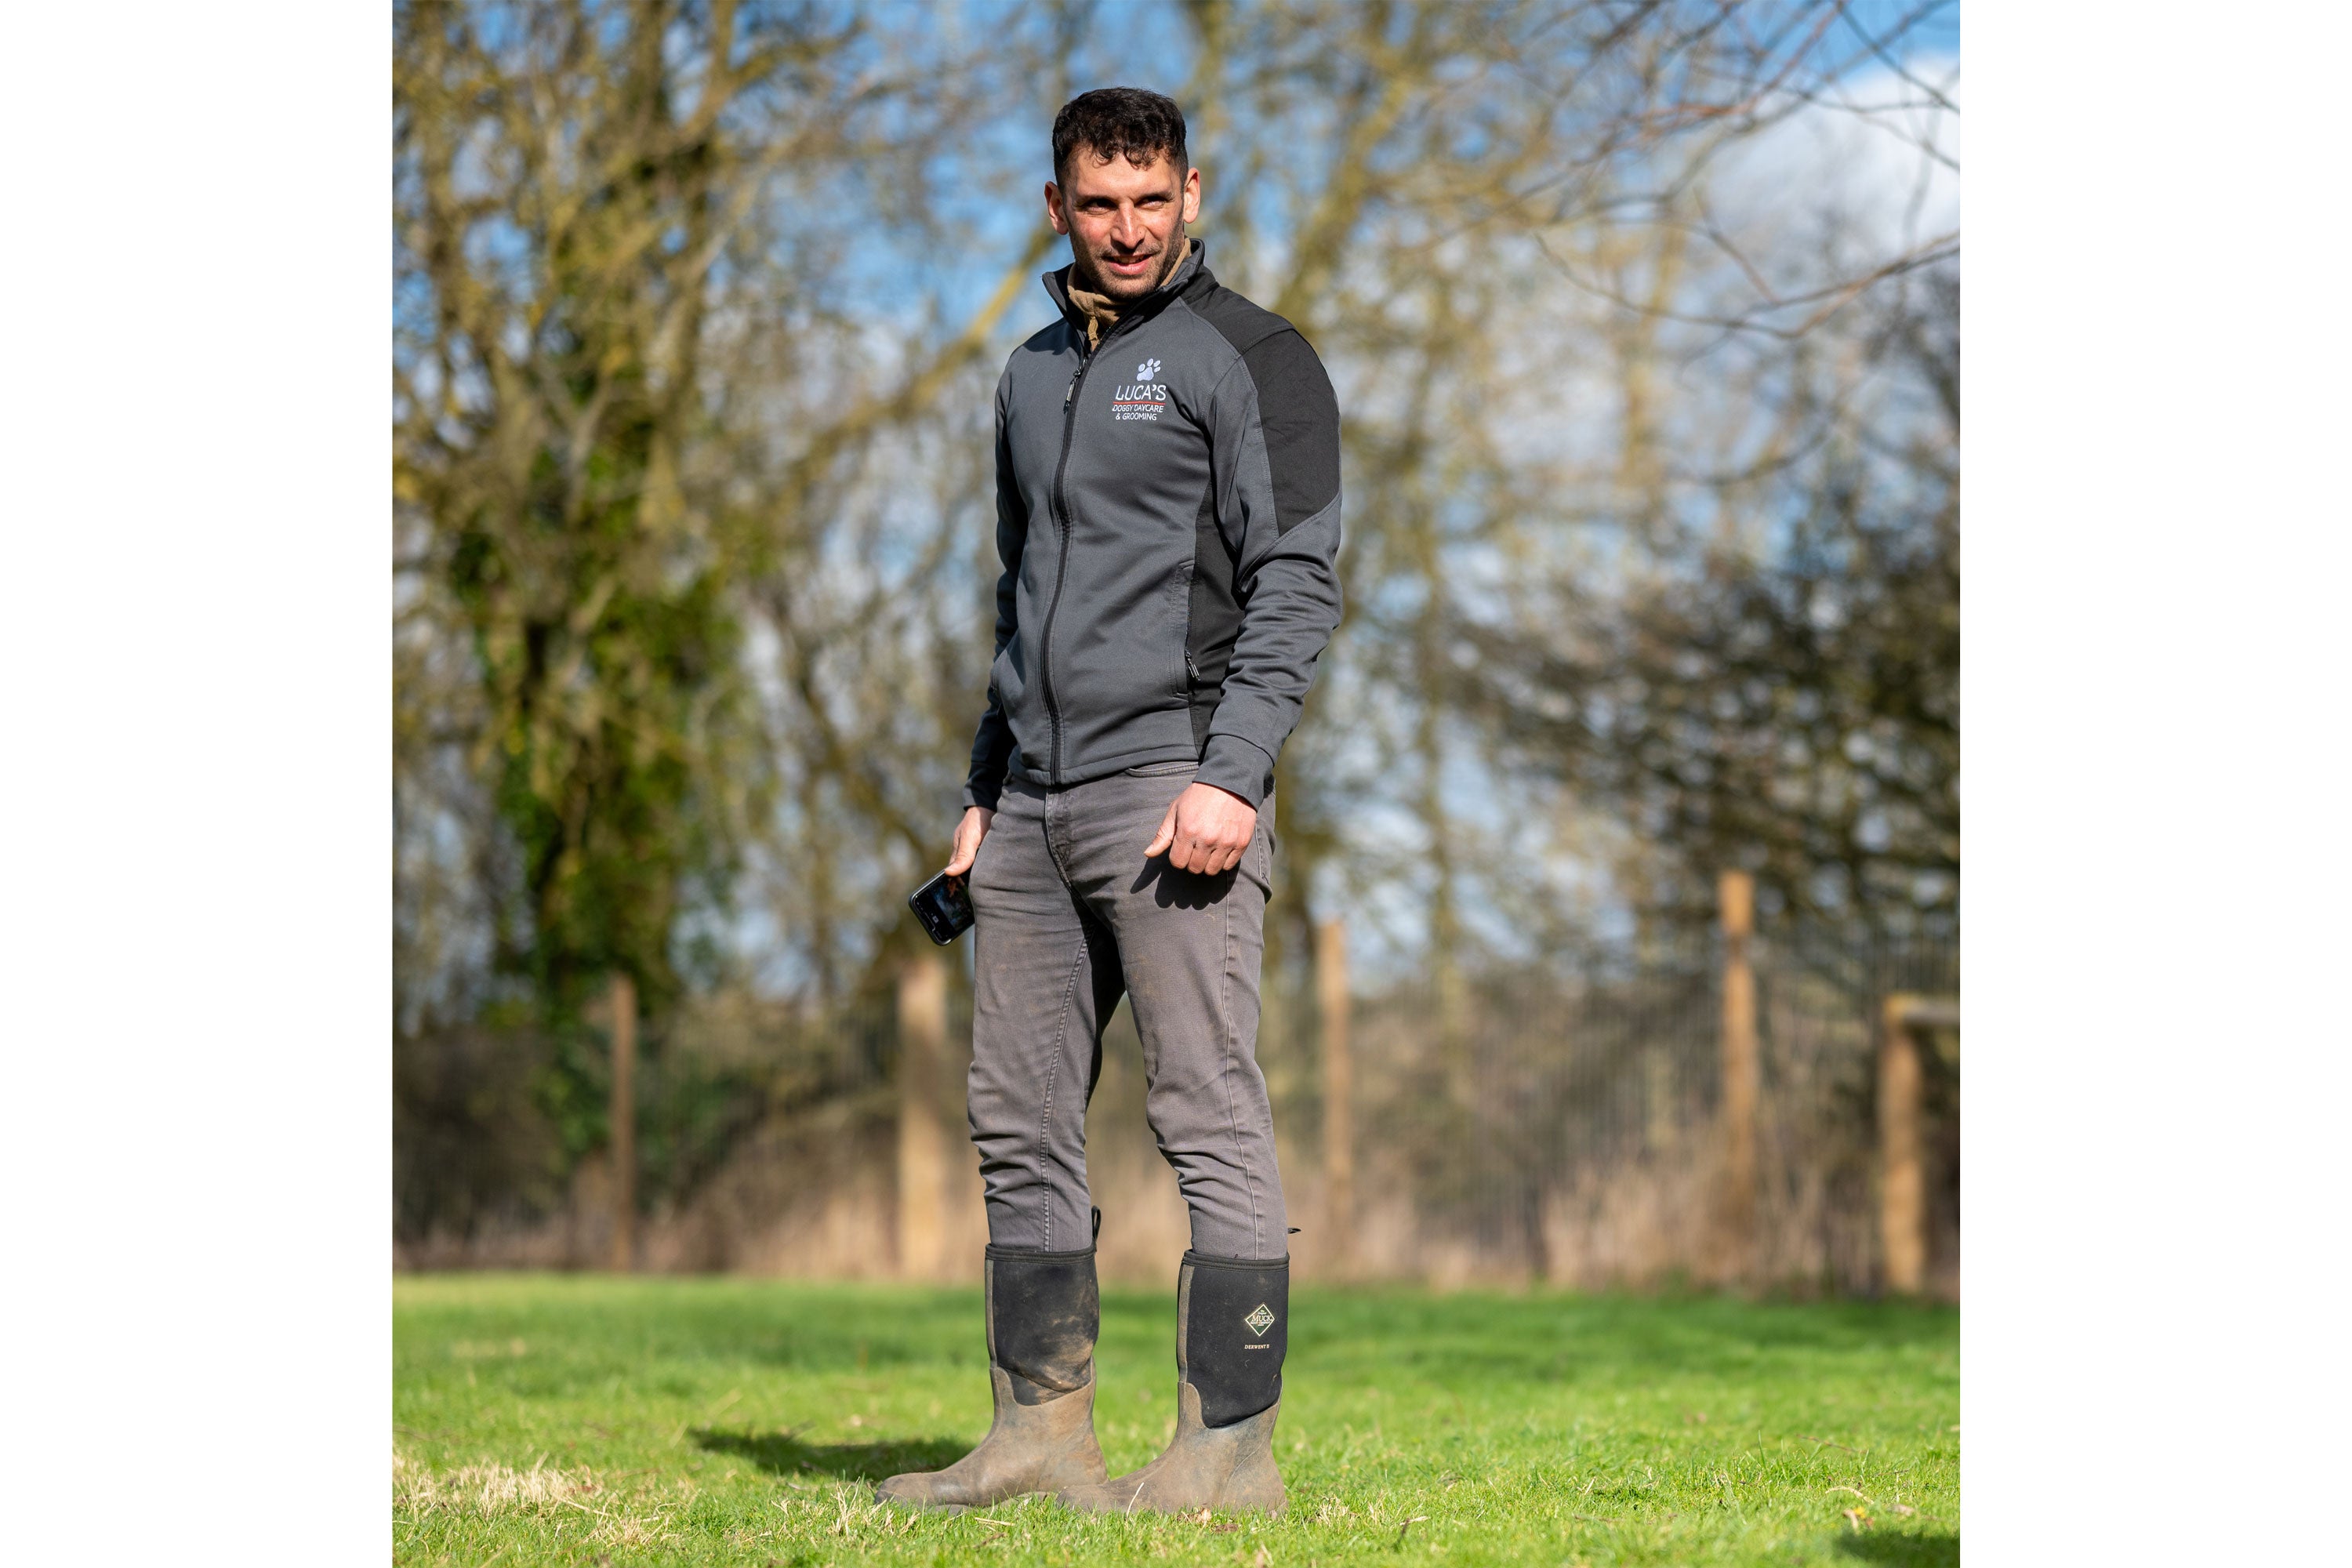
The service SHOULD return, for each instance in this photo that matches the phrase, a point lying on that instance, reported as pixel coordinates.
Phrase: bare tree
(638, 380)
(1784, 698)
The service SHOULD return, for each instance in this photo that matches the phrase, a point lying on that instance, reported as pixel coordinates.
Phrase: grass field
(586, 1420)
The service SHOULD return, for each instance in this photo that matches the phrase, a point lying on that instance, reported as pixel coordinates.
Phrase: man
(1168, 515)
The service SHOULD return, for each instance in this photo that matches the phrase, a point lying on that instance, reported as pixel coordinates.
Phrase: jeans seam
(1052, 1070)
(1226, 1035)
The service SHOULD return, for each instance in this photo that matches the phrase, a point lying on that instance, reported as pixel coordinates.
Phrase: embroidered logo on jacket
(1146, 399)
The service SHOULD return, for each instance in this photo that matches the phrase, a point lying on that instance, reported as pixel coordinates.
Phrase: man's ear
(1192, 195)
(1053, 213)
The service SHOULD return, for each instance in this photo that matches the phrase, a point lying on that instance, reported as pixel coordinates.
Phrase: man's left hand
(1205, 830)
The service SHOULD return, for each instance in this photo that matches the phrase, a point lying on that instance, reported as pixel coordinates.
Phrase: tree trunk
(922, 1138)
(1903, 1194)
(1741, 1077)
(1338, 1091)
(623, 1117)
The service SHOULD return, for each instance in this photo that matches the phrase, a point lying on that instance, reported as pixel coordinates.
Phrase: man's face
(1126, 225)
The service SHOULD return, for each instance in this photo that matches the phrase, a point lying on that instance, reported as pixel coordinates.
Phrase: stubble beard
(1094, 278)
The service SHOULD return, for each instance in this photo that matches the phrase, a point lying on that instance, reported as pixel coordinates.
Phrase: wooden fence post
(1339, 1089)
(922, 1153)
(1902, 1190)
(1736, 896)
(623, 1119)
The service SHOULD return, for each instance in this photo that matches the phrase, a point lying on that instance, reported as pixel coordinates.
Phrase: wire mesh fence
(1575, 1130)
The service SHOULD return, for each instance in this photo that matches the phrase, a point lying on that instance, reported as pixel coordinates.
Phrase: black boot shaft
(1234, 1330)
(1044, 1310)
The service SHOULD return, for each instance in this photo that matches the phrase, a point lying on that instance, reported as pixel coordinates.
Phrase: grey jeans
(1068, 916)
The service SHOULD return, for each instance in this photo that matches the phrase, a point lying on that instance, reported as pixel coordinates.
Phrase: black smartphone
(943, 906)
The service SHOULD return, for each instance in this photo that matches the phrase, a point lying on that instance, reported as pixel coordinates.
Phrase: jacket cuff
(1237, 766)
(984, 795)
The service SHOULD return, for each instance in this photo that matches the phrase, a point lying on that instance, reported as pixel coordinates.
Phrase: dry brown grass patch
(490, 1489)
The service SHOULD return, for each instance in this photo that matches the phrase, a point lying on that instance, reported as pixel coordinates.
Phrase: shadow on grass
(1904, 1551)
(782, 1454)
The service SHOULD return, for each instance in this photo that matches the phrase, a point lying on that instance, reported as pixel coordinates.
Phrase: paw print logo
(1147, 370)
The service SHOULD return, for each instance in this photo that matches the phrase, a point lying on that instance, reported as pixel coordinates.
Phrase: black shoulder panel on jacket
(1238, 321)
(1297, 408)
(1301, 419)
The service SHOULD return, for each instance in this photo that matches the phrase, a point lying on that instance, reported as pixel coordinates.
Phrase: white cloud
(1850, 181)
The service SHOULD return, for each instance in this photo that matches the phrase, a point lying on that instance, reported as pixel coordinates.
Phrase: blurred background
(1615, 939)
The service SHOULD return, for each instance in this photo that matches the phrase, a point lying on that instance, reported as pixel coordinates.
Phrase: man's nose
(1127, 230)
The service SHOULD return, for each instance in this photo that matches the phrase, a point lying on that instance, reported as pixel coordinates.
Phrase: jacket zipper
(1062, 568)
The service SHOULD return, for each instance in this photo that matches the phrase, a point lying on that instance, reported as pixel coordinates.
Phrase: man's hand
(1205, 830)
(968, 835)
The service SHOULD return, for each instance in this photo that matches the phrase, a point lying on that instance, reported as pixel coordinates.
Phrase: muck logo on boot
(1259, 1320)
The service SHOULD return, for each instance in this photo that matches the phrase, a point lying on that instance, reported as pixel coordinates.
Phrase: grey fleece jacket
(1168, 515)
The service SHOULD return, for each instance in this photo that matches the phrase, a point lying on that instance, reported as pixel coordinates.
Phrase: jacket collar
(1194, 264)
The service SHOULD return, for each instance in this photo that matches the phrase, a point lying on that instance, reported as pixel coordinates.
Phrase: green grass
(694, 1421)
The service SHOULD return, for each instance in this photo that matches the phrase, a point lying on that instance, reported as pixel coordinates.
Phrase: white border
(197, 713)
(2155, 676)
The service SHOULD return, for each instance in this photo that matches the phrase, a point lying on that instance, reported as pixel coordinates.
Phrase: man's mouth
(1132, 267)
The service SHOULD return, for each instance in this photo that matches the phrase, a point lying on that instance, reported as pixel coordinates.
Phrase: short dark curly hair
(1130, 123)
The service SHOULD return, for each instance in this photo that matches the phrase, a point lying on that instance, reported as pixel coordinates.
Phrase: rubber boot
(1233, 1327)
(1044, 1310)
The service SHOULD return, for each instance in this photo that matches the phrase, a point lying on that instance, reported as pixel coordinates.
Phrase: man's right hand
(968, 835)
